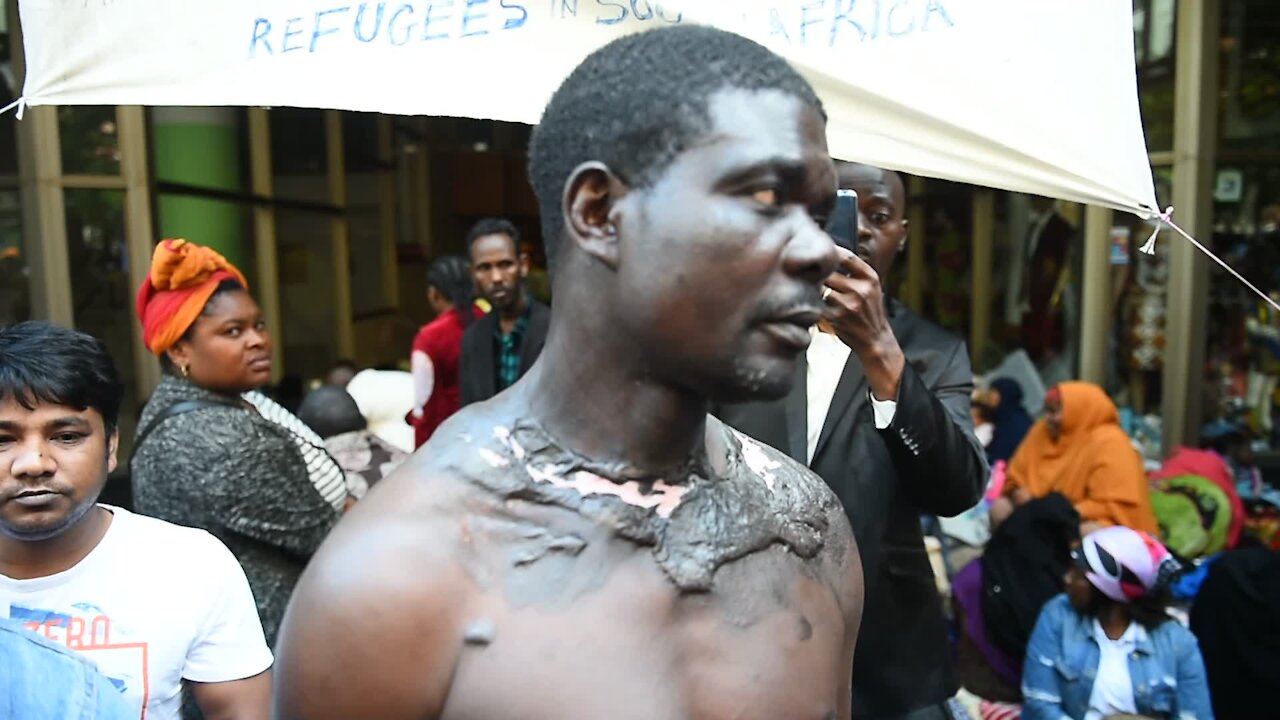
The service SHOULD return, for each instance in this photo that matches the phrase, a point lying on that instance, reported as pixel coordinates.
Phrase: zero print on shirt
(86, 629)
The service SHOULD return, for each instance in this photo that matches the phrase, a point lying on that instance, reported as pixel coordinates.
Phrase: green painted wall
(206, 154)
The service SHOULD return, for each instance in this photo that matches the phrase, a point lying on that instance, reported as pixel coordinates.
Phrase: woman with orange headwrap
(1079, 450)
(215, 453)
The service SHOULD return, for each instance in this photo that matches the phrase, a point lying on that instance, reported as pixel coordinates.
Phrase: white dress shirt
(826, 357)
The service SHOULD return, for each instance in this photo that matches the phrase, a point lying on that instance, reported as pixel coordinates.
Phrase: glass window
(15, 283)
(360, 142)
(298, 158)
(305, 261)
(9, 90)
(1139, 288)
(1243, 351)
(1154, 35)
(1250, 76)
(90, 144)
(101, 294)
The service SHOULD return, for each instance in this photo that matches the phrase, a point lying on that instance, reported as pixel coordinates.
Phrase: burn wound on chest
(693, 522)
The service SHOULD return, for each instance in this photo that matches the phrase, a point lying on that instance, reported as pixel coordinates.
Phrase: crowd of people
(693, 490)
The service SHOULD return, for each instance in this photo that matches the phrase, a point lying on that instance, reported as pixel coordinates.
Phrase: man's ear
(589, 203)
(525, 263)
(906, 233)
(113, 446)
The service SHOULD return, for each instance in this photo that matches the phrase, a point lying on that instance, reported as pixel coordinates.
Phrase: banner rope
(20, 104)
(1166, 219)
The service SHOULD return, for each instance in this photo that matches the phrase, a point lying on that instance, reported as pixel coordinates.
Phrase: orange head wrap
(182, 279)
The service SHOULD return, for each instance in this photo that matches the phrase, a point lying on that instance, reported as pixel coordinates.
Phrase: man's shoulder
(482, 327)
(779, 472)
(193, 546)
(921, 333)
(398, 549)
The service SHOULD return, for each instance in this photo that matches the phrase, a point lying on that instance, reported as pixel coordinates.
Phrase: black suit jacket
(478, 363)
(927, 461)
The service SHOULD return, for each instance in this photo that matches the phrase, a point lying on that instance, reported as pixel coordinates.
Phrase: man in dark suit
(880, 410)
(500, 347)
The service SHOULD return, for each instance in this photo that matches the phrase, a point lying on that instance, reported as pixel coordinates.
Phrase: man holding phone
(881, 411)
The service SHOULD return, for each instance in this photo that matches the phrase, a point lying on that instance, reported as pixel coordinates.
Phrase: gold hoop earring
(186, 371)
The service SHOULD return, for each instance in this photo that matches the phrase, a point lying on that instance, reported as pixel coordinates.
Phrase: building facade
(334, 215)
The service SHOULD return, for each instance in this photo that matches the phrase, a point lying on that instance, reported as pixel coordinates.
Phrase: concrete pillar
(344, 323)
(139, 233)
(44, 214)
(389, 229)
(266, 287)
(984, 237)
(1096, 311)
(1194, 139)
(915, 244)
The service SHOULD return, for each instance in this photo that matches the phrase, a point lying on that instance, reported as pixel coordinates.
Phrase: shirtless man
(590, 544)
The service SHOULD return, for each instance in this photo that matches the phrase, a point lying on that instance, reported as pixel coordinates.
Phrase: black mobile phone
(842, 225)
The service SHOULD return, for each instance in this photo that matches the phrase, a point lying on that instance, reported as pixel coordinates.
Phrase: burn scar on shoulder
(658, 495)
(661, 497)
(695, 517)
(494, 459)
(757, 460)
(504, 436)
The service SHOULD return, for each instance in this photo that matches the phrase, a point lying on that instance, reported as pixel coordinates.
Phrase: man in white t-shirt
(153, 605)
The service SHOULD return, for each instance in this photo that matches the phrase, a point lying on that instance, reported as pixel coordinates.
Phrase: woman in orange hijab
(212, 451)
(1080, 451)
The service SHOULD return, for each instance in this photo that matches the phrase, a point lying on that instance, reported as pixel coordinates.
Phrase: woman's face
(228, 348)
(1053, 415)
(1078, 588)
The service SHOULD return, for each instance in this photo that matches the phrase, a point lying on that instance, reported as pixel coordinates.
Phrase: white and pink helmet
(1124, 564)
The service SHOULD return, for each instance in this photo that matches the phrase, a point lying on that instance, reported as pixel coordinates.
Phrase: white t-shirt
(1113, 686)
(153, 604)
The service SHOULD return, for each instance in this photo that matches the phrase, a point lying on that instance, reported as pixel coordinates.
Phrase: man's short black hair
(44, 363)
(493, 226)
(638, 102)
(330, 411)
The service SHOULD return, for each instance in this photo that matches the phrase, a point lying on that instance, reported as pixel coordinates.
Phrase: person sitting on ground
(1236, 618)
(157, 607)
(1079, 450)
(385, 398)
(364, 457)
(214, 453)
(589, 543)
(1107, 646)
(438, 345)
(341, 373)
(1002, 405)
(1230, 441)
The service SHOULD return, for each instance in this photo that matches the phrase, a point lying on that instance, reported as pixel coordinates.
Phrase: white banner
(1029, 95)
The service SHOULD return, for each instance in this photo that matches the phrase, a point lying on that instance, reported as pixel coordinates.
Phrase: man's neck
(26, 560)
(600, 407)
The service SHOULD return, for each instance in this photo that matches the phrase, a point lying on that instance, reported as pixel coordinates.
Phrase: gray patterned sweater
(239, 476)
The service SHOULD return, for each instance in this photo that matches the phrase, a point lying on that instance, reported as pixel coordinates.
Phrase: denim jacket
(1062, 658)
(41, 680)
